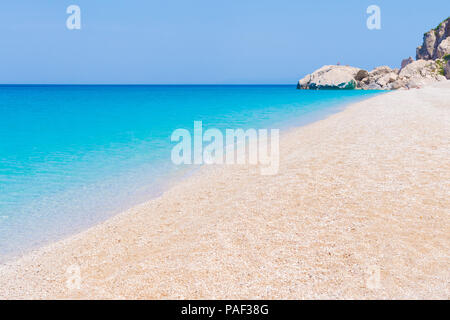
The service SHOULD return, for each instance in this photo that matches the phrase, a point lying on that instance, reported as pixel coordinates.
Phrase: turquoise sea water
(72, 156)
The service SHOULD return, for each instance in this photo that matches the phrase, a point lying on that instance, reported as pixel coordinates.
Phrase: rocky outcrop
(436, 46)
(432, 64)
(379, 79)
(361, 75)
(405, 62)
(436, 42)
(443, 48)
(413, 75)
(447, 69)
(421, 72)
(330, 77)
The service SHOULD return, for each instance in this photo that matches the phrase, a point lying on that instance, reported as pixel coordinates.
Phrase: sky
(204, 41)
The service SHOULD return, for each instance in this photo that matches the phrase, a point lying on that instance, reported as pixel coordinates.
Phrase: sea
(73, 156)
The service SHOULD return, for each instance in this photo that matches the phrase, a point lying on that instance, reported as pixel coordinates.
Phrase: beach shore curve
(359, 209)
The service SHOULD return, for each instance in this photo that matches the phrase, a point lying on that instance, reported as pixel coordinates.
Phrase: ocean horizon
(72, 156)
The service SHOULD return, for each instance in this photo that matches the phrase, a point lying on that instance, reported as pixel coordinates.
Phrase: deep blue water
(72, 156)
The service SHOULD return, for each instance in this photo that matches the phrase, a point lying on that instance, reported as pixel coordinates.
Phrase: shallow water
(72, 156)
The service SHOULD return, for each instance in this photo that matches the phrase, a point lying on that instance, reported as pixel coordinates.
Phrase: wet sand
(360, 208)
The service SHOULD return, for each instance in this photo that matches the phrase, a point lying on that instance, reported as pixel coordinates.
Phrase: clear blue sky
(204, 41)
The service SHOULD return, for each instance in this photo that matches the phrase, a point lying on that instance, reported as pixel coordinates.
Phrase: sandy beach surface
(360, 209)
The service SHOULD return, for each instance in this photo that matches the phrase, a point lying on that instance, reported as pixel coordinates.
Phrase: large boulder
(330, 77)
(447, 69)
(421, 72)
(419, 68)
(398, 84)
(443, 48)
(380, 71)
(431, 48)
(386, 79)
(362, 74)
(379, 78)
(372, 86)
(405, 62)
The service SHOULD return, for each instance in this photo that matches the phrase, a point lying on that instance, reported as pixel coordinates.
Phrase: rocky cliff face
(436, 42)
(447, 69)
(432, 64)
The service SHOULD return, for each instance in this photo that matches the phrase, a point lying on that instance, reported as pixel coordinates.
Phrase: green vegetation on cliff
(440, 65)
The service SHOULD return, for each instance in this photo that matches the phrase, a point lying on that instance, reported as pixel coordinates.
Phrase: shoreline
(323, 224)
(11, 251)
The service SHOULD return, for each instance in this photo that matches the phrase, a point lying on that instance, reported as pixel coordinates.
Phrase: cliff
(432, 65)
(436, 42)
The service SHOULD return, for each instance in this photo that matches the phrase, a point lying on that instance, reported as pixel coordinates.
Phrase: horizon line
(143, 84)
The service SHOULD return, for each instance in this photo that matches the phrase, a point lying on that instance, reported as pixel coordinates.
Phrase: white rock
(380, 71)
(387, 78)
(443, 48)
(330, 77)
(420, 69)
(374, 86)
